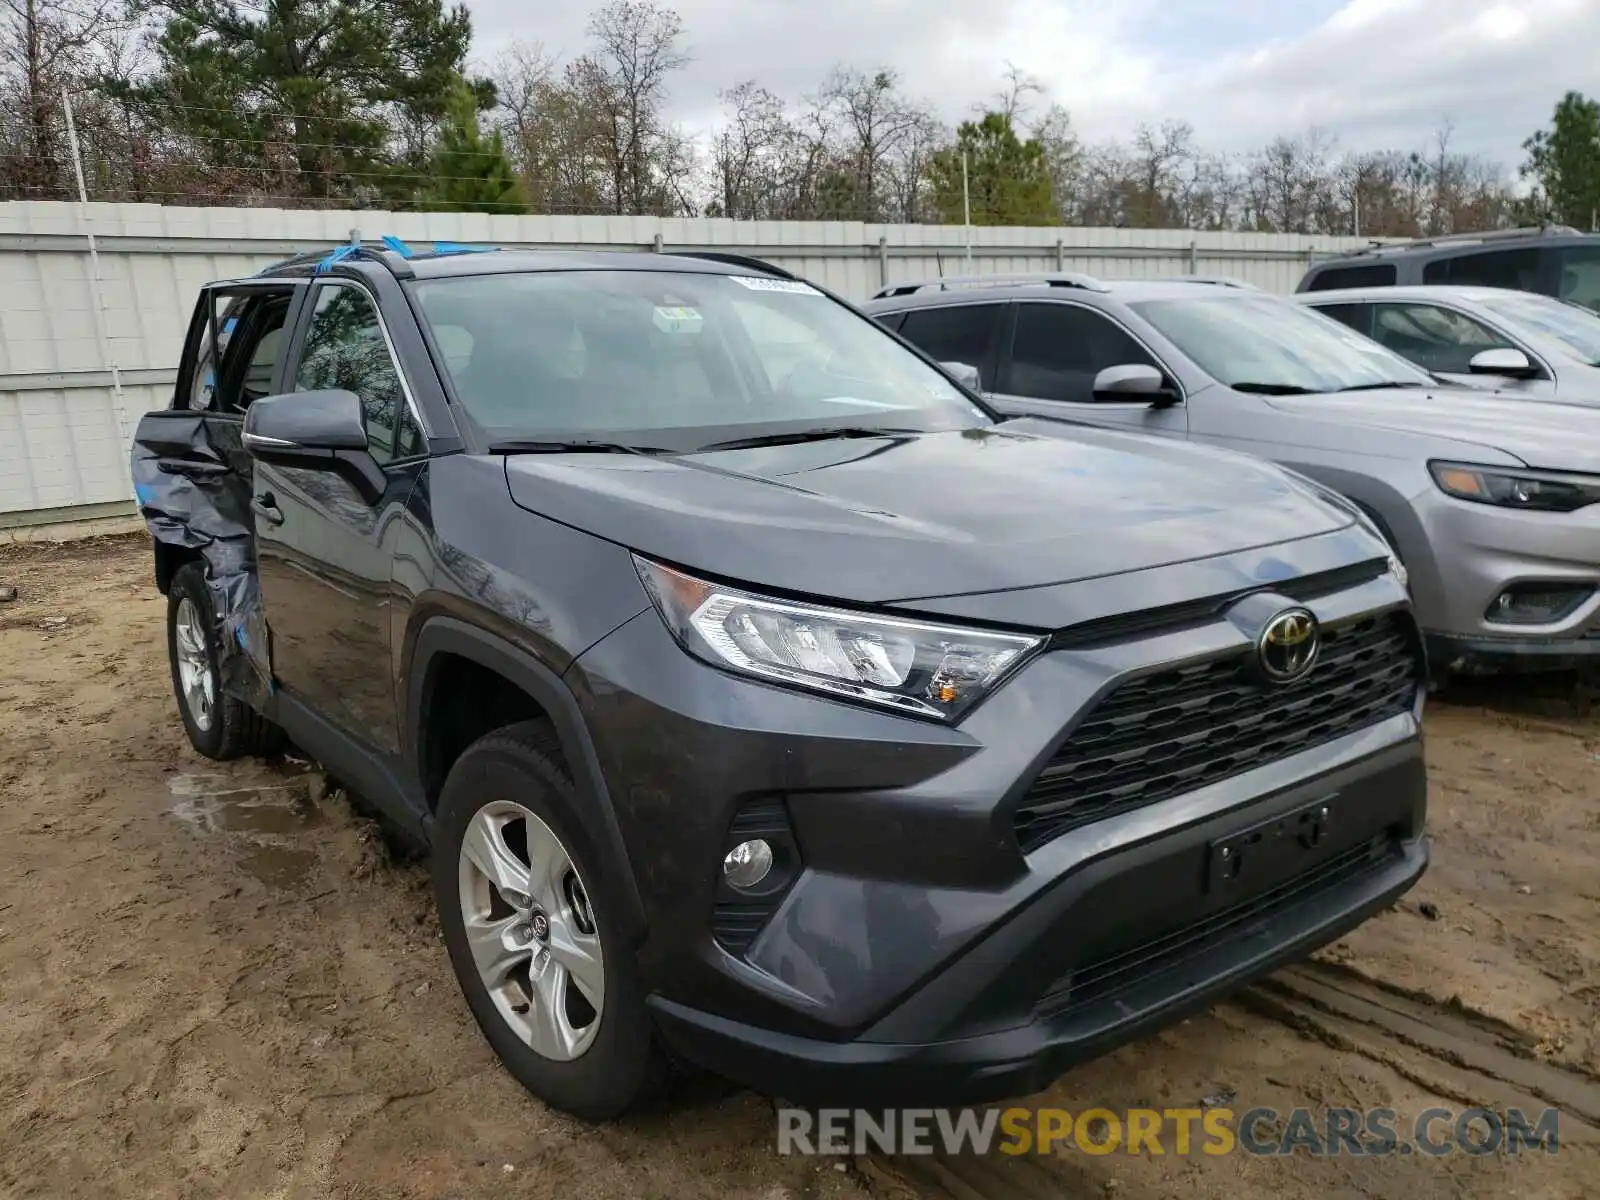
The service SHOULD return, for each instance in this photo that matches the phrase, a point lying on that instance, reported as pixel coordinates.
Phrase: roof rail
(1461, 239)
(1227, 281)
(735, 260)
(1061, 279)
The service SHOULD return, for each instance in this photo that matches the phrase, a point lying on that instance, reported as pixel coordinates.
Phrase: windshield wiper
(1273, 389)
(806, 435)
(578, 446)
(1378, 387)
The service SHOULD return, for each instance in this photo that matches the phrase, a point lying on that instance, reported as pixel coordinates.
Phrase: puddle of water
(282, 809)
(247, 810)
(263, 819)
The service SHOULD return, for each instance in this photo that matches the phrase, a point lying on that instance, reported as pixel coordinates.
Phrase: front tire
(219, 726)
(529, 917)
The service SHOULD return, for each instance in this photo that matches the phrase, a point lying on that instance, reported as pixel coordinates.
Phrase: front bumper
(1474, 553)
(1027, 1058)
(1512, 655)
(919, 950)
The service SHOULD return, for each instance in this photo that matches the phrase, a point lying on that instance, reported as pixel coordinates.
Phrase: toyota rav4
(767, 702)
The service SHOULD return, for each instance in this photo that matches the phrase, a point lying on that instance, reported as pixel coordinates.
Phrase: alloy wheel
(531, 930)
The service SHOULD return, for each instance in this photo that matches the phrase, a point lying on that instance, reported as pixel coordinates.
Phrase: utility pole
(966, 209)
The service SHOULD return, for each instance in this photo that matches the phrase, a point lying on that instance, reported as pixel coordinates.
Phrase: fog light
(748, 863)
(1537, 604)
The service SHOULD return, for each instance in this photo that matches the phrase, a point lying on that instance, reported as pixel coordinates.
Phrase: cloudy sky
(1375, 73)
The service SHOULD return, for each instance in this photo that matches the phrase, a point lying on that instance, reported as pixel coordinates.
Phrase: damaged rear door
(192, 477)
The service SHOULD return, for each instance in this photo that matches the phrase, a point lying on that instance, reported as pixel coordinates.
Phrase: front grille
(1173, 732)
(1112, 973)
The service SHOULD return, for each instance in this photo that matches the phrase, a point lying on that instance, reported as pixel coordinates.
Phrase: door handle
(266, 507)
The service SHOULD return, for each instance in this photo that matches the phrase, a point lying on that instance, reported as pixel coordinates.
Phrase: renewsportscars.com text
(1160, 1131)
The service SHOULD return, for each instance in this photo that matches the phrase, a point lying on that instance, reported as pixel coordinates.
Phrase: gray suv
(760, 699)
(1555, 260)
(1492, 504)
(1514, 343)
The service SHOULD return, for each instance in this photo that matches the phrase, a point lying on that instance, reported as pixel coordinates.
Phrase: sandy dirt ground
(220, 982)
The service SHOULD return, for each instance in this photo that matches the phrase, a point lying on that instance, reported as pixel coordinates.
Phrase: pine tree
(313, 99)
(1008, 178)
(1564, 160)
(471, 173)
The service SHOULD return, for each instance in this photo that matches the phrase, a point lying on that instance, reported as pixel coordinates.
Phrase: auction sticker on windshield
(759, 284)
(677, 319)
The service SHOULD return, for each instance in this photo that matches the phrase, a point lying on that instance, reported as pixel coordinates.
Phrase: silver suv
(1516, 343)
(1492, 504)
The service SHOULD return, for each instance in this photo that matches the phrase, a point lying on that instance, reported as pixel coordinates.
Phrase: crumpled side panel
(191, 477)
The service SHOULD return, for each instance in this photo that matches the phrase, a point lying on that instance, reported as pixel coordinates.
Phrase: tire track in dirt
(1465, 1058)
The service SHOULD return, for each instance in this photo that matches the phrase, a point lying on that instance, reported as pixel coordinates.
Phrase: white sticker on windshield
(758, 283)
(677, 319)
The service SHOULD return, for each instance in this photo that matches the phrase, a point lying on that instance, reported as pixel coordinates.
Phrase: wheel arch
(443, 639)
(170, 558)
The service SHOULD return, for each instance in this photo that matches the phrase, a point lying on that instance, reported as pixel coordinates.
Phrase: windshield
(1575, 328)
(1256, 343)
(675, 360)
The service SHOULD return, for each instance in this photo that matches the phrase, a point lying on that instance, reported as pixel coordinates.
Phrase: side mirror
(1135, 381)
(965, 374)
(316, 423)
(1506, 360)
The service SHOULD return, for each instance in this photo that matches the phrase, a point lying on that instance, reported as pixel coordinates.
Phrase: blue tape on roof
(458, 248)
(396, 246)
(338, 256)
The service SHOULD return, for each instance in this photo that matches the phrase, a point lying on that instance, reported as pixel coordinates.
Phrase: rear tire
(219, 726)
(576, 1036)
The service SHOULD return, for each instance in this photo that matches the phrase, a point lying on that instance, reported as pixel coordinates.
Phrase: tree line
(380, 103)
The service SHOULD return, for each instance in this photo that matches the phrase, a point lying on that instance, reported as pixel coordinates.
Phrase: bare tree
(747, 153)
(46, 46)
(1014, 96)
(875, 120)
(1159, 154)
(905, 174)
(637, 51)
(1063, 157)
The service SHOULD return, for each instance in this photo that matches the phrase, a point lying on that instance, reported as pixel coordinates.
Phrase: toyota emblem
(1287, 648)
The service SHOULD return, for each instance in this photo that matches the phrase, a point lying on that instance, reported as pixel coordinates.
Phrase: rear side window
(1370, 275)
(960, 333)
(1353, 315)
(1518, 269)
(1578, 278)
(345, 349)
(1060, 348)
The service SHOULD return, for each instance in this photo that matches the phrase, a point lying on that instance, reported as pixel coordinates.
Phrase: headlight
(1508, 487)
(924, 670)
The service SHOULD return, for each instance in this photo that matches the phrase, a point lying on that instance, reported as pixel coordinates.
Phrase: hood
(879, 520)
(1542, 433)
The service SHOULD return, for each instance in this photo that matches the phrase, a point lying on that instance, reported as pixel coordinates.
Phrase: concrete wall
(63, 436)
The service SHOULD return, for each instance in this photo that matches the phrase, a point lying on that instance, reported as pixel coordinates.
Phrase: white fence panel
(62, 448)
